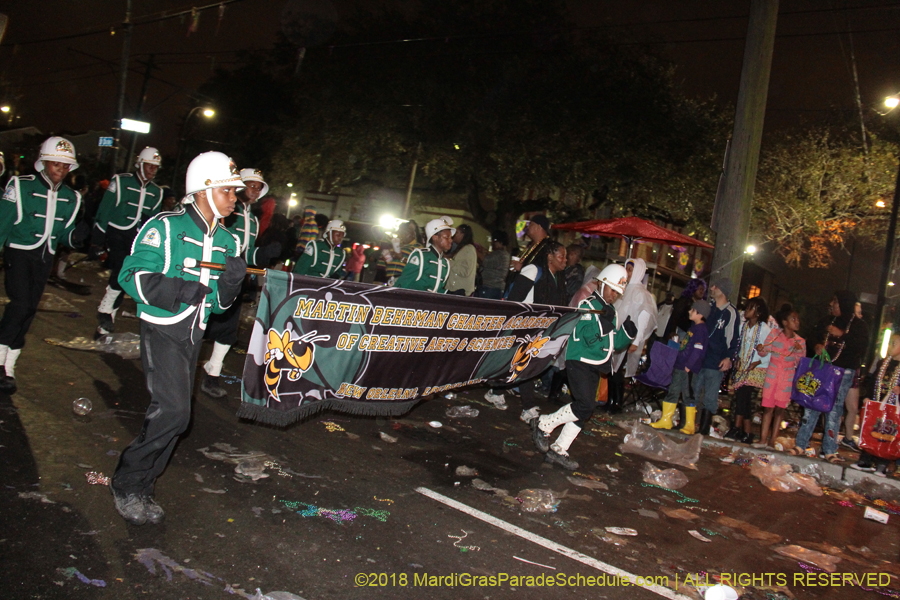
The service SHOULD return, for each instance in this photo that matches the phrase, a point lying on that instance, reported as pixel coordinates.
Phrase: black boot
(556, 395)
(615, 392)
(705, 421)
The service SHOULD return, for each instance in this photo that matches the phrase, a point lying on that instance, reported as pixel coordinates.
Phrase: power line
(146, 20)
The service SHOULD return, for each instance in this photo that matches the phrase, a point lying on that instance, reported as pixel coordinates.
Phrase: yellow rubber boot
(665, 421)
(690, 413)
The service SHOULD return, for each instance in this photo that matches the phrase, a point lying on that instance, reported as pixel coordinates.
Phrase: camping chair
(652, 383)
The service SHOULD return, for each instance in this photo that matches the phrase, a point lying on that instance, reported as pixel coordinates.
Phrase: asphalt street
(342, 506)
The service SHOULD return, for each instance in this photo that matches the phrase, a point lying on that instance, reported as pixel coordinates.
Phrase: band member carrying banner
(223, 328)
(588, 354)
(427, 269)
(174, 302)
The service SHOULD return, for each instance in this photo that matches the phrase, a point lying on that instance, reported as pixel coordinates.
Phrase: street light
(208, 113)
(750, 249)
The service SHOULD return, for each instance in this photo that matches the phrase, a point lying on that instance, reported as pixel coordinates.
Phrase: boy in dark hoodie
(690, 357)
(844, 338)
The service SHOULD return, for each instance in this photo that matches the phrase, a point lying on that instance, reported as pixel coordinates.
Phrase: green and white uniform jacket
(157, 260)
(127, 203)
(321, 259)
(596, 336)
(425, 270)
(35, 213)
(245, 226)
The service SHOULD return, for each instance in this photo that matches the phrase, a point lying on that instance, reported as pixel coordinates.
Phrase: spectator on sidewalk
(750, 369)
(844, 337)
(691, 352)
(722, 325)
(785, 348)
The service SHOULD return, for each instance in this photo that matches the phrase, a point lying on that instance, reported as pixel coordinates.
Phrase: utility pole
(140, 105)
(733, 209)
(123, 78)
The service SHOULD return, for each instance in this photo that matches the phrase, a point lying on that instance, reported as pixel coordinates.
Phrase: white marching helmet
(210, 170)
(335, 225)
(56, 149)
(148, 156)
(437, 225)
(255, 175)
(615, 276)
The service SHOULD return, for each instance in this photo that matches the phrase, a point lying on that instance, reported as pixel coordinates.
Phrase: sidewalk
(840, 471)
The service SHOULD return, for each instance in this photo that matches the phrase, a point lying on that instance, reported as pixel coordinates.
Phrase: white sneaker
(531, 413)
(498, 400)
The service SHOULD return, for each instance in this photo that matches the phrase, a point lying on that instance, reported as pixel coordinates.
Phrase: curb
(841, 471)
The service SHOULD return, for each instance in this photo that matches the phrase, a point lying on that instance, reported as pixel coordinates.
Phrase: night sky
(69, 85)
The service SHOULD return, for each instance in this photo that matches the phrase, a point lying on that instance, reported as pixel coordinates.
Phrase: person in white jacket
(638, 303)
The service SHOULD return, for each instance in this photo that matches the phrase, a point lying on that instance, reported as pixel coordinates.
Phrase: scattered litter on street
(648, 513)
(273, 596)
(388, 500)
(339, 516)
(679, 513)
(36, 496)
(484, 486)
(751, 531)
(435, 424)
(720, 592)
(538, 501)
(682, 499)
(621, 531)
(779, 476)
(696, 534)
(876, 515)
(824, 561)
(127, 345)
(151, 558)
(534, 563)
(591, 484)
(458, 412)
(650, 443)
(82, 407)
(460, 538)
(331, 426)
(71, 572)
(464, 471)
(95, 478)
(209, 491)
(672, 479)
(387, 438)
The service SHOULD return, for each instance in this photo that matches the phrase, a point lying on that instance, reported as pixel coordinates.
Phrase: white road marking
(551, 545)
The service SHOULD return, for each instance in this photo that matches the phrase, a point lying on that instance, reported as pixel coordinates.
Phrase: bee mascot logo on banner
(294, 356)
(529, 349)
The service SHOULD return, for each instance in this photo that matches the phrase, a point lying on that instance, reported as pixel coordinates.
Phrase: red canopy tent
(633, 229)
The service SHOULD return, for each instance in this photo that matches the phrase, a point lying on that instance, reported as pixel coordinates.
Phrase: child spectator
(785, 348)
(749, 369)
(689, 360)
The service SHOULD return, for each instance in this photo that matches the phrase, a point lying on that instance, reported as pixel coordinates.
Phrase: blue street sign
(106, 142)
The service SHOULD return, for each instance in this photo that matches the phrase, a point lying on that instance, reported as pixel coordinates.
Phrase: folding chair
(652, 383)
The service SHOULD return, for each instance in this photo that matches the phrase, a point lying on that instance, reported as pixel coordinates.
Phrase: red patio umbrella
(633, 229)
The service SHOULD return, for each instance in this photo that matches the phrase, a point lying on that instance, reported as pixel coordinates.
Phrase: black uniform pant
(27, 272)
(169, 356)
(118, 244)
(584, 380)
(223, 327)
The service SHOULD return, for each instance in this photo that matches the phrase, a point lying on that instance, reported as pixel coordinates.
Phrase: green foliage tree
(817, 188)
(492, 97)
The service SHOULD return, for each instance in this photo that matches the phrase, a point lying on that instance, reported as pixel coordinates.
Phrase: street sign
(105, 142)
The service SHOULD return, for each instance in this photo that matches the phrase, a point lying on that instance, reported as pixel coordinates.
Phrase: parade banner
(366, 349)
